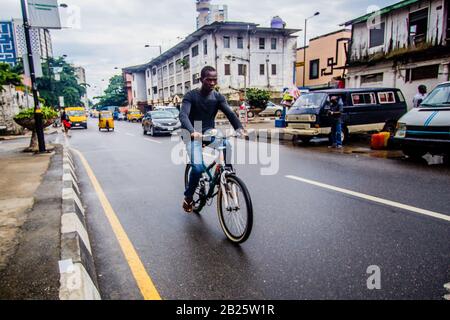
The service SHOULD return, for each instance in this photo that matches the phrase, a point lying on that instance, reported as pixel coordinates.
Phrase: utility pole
(37, 110)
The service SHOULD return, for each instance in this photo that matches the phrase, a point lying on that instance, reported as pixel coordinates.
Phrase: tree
(8, 76)
(67, 86)
(115, 94)
(258, 98)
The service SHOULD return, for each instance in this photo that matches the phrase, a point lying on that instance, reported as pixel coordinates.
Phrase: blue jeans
(195, 152)
(336, 133)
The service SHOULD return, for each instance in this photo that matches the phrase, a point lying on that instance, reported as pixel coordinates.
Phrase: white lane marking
(151, 140)
(130, 134)
(374, 199)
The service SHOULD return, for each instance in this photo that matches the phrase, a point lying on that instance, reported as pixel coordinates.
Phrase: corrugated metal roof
(385, 10)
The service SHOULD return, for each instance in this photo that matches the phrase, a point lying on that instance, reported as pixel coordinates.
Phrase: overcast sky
(113, 33)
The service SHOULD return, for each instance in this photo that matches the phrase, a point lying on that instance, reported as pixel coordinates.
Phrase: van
(365, 110)
(427, 128)
(77, 117)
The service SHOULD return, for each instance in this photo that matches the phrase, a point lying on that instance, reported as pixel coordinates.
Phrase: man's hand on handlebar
(241, 133)
(196, 136)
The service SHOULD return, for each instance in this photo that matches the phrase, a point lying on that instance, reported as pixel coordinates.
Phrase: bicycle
(218, 180)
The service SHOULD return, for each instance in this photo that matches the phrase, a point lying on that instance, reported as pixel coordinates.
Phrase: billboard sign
(44, 14)
(7, 47)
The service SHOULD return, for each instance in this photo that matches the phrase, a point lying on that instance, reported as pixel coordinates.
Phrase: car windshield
(439, 97)
(77, 113)
(161, 115)
(310, 100)
(135, 112)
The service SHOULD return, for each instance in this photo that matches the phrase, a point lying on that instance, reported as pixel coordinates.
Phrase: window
(155, 90)
(149, 91)
(421, 73)
(178, 66)
(261, 70)
(134, 93)
(363, 98)
(226, 42)
(195, 78)
(165, 71)
(154, 71)
(187, 86)
(240, 43)
(179, 88)
(274, 69)
(227, 69)
(273, 44)
(377, 35)
(314, 69)
(371, 78)
(418, 26)
(172, 90)
(262, 43)
(242, 69)
(171, 69)
(386, 97)
(187, 62)
(148, 73)
(205, 47)
(195, 51)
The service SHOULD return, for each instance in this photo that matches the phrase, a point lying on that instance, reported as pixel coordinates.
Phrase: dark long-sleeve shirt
(198, 112)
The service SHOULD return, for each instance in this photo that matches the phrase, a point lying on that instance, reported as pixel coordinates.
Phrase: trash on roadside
(380, 140)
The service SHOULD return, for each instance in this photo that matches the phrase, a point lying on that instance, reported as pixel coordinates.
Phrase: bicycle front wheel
(235, 210)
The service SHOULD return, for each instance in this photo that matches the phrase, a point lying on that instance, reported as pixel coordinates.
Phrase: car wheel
(152, 131)
(306, 140)
(414, 153)
(250, 114)
(145, 132)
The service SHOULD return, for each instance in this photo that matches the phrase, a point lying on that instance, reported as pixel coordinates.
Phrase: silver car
(272, 110)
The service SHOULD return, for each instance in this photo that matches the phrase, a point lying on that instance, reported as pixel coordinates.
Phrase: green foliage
(68, 87)
(258, 98)
(115, 94)
(47, 113)
(8, 76)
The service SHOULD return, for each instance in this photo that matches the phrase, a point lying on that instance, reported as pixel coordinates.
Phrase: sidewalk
(30, 219)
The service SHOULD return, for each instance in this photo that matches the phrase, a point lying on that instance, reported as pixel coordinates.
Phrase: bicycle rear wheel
(200, 193)
(236, 220)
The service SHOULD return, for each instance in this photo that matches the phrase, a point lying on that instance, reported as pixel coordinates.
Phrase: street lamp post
(304, 47)
(37, 109)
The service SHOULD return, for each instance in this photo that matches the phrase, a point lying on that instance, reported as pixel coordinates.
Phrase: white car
(272, 110)
(121, 116)
(427, 128)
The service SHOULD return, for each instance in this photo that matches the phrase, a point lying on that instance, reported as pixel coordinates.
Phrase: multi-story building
(208, 13)
(325, 61)
(13, 45)
(80, 74)
(403, 45)
(244, 54)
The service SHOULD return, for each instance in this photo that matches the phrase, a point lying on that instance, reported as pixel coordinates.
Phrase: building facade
(326, 58)
(80, 74)
(208, 13)
(245, 56)
(13, 45)
(404, 45)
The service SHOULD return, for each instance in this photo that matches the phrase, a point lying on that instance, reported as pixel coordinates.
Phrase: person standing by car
(198, 112)
(335, 115)
(420, 96)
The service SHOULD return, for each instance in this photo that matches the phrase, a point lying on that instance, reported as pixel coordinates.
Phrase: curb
(78, 278)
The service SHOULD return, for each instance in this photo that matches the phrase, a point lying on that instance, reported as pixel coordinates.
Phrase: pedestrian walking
(66, 122)
(335, 115)
(420, 96)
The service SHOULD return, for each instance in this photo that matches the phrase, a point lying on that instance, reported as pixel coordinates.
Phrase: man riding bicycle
(198, 112)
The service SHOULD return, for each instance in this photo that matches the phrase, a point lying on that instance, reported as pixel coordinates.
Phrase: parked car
(427, 128)
(272, 110)
(365, 110)
(160, 122)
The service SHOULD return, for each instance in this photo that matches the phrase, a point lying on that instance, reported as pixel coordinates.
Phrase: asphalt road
(309, 241)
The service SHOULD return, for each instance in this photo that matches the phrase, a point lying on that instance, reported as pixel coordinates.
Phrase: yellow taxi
(77, 117)
(134, 115)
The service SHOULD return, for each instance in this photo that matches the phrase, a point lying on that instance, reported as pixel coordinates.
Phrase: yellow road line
(143, 280)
